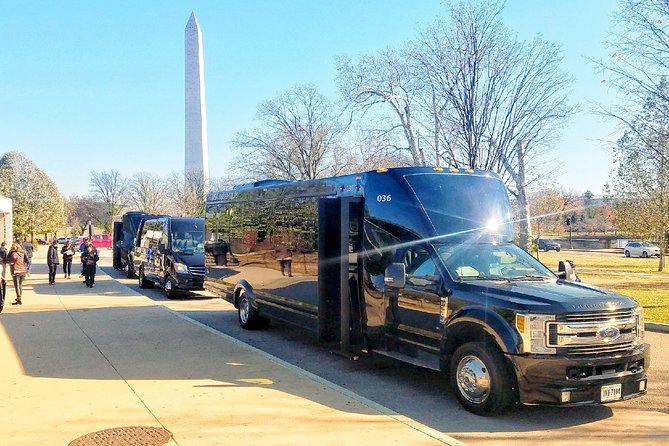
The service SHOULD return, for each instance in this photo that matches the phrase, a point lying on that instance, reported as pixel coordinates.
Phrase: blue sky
(94, 86)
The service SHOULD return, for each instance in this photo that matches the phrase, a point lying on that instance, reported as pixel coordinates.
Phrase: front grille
(601, 316)
(601, 349)
(197, 270)
(600, 333)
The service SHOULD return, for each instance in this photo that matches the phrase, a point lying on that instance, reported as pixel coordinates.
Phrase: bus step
(425, 361)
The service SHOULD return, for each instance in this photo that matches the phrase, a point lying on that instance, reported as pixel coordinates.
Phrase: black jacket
(52, 255)
(89, 261)
(68, 248)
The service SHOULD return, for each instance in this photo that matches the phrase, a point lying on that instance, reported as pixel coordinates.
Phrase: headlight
(180, 267)
(640, 324)
(532, 330)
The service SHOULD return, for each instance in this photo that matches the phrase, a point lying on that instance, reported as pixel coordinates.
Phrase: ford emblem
(608, 332)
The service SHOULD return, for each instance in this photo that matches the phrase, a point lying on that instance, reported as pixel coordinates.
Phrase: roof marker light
(382, 169)
(454, 169)
(438, 169)
(469, 170)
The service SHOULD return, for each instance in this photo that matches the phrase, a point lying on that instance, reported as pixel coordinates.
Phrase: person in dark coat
(68, 253)
(17, 261)
(3, 283)
(52, 261)
(89, 259)
(28, 249)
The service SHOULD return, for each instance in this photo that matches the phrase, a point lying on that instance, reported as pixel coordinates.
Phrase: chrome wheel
(244, 309)
(473, 379)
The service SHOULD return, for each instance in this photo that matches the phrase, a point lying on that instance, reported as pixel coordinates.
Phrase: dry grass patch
(634, 277)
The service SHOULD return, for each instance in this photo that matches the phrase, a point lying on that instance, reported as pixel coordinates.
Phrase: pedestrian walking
(17, 260)
(89, 259)
(284, 254)
(3, 252)
(82, 249)
(68, 254)
(28, 249)
(52, 261)
(3, 282)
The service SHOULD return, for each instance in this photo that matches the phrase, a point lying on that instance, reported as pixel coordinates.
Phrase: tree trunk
(523, 204)
(663, 247)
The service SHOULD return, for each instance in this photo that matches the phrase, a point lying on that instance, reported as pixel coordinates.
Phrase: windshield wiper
(483, 277)
(528, 277)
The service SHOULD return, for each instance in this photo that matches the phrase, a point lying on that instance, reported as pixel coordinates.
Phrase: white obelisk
(197, 148)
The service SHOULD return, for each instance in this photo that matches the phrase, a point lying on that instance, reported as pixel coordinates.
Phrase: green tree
(37, 203)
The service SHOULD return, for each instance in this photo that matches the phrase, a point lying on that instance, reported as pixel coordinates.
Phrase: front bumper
(546, 379)
(189, 282)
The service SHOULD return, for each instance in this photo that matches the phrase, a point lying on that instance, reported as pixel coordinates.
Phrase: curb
(657, 327)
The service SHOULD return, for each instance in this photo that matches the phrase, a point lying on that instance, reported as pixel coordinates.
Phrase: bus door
(339, 290)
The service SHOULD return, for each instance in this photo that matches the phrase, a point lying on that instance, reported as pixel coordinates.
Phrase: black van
(170, 251)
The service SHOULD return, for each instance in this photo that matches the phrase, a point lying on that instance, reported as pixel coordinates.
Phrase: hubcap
(244, 309)
(473, 379)
(168, 285)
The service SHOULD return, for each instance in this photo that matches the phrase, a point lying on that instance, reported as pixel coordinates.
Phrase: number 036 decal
(382, 198)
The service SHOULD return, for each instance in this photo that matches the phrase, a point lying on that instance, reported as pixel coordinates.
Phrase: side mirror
(566, 271)
(396, 275)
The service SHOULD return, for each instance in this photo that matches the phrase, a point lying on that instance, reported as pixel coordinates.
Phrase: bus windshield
(464, 206)
(187, 237)
(491, 262)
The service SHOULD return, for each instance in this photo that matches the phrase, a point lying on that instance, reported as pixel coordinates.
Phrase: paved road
(423, 395)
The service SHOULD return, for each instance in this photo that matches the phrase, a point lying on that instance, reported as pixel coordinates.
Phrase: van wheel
(644, 254)
(627, 253)
(171, 290)
(248, 316)
(143, 281)
(130, 268)
(480, 378)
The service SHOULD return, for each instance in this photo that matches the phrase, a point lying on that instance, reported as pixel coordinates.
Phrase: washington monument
(197, 148)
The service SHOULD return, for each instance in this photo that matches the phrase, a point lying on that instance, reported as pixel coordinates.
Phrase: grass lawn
(634, 277)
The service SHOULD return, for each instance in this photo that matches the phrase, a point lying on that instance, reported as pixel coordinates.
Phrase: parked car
(101, 241)
(41, 242)
(641, 249)
(61, 240)
(547, 244)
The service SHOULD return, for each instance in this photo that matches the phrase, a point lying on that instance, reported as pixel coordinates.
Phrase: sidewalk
(78, 360)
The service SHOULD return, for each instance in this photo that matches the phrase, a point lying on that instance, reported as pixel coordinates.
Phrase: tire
(130, 269)
(546, 249)
(480, 379)
(248, 316)
(171, 290)
(644, 255)
(627, 253)
(557, 249)
(143, 281)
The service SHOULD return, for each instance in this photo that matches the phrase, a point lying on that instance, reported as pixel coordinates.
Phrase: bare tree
(110, 188)
(390, 79)
(80, 210)
(187, 194)
(496, 101)
(296, 140)
(641, 187)
(148, 193)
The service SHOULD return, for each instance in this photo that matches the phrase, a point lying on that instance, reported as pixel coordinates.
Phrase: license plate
(611, 392)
